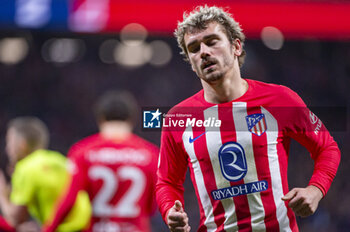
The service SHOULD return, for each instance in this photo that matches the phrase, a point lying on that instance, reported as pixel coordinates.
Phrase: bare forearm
(13, 214)
(6, 210)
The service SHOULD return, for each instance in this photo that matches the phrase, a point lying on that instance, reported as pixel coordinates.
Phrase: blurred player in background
(40, 177)
(239, 170)
(117, 169)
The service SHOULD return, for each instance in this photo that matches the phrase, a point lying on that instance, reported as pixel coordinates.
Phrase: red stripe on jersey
(241, 202)
(201, 151)
(263, 172)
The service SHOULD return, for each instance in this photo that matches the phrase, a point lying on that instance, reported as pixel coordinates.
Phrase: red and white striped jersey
(239, 170)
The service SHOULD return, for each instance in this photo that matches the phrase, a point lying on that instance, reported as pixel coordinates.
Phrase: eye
(193, 48)
(211, 42)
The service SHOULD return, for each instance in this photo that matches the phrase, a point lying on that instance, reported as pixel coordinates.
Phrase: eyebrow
(204, 38)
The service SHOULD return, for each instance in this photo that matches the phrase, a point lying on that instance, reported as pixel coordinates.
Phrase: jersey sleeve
(171, 172)
(23, 186)
(307, 129)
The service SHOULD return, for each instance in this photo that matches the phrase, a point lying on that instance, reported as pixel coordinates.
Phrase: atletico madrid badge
(256, 124)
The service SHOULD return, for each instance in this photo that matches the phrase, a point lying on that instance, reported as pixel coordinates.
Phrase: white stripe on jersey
(272, 134)
(202, 191)
(214, 143)
(244, 138)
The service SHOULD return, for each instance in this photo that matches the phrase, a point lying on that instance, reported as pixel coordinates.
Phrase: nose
(204, 52)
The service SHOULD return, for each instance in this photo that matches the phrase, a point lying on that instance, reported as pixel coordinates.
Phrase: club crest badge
(256, 124)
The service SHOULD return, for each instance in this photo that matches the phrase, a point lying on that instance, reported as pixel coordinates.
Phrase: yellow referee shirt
(39, 180)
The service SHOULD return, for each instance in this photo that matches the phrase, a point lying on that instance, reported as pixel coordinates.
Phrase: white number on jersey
(127, 205)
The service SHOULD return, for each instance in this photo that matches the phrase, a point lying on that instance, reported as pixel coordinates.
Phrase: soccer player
(239, 170)
(40, 177)
(117, 169)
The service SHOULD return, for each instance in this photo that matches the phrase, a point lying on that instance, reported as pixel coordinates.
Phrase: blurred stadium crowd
(61, 94)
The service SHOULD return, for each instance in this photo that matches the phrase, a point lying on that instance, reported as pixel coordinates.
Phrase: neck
(27, 151)
(115, 130)
(226, 89)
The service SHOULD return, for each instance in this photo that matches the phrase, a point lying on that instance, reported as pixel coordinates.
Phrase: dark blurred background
(56, 71)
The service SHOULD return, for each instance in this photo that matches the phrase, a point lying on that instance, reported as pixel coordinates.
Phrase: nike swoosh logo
(194, 139)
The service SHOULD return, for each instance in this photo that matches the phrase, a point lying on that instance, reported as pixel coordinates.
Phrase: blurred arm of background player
(13, 214)
(4, 226)
(17, 216)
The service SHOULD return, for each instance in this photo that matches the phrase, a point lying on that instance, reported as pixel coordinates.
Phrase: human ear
(237, 47)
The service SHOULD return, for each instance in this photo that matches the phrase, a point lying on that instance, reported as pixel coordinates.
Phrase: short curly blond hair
(199, 19)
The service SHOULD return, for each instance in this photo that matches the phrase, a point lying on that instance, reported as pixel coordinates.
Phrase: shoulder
(142, 143)
(84, 144)
(188, 108)
(149, 150)
(194, 100)
(282, 95)
(38, 158)
(269, 87)
(35, 163)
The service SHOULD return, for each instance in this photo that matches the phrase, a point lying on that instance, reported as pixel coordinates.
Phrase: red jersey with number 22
(120, 179)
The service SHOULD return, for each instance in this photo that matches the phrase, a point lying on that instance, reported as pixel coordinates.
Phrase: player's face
(210, 52)
(15, 145)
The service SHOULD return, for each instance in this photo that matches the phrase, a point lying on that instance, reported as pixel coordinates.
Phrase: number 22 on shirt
(127, 205)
